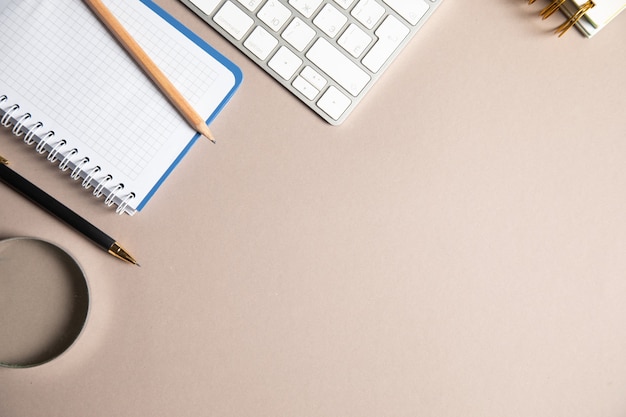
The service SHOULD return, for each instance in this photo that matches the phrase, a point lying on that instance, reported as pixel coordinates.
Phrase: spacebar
(345, 72)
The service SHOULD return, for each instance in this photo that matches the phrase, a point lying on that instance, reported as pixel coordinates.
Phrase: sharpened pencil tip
(205, 131)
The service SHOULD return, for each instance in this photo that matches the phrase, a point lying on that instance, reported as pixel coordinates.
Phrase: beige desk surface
(457, 248)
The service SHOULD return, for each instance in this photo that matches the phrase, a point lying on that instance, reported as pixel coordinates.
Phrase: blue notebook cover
(74, 94)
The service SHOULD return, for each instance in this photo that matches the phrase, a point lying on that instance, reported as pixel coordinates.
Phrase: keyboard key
(334, 102)
(250, 4)
(369, 12)
(298, 34)
(390, 34)
(314, 77)
(207, 6)
(285, 63)
(233, 20)
(327, 52)
(344, 3)
(260, 42)
(337, 65)
(305, 87)
(274, 14)
(306, 7)
(330, 20)
(354, 40)
(411, 10)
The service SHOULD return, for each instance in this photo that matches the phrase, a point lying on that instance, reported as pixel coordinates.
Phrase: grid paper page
(64, 67)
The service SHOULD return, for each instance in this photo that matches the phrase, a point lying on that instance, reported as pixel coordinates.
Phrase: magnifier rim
(83, 312)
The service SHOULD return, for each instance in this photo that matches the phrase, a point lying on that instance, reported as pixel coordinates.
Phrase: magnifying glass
(44, 301)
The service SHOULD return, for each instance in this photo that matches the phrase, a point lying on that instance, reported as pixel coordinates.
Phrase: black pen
(46, 201)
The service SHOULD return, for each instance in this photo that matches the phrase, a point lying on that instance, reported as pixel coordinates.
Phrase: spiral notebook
(72, 93)
(588, 16)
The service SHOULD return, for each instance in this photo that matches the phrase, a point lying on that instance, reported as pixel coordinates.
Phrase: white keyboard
(327, 53)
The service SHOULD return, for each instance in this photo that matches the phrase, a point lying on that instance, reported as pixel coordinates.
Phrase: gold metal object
(3, 160)
(119, 252)
(575, 18)
(551, 8)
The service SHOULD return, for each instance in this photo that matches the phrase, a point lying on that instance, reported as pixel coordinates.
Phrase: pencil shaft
(149, 67)
(49, 203)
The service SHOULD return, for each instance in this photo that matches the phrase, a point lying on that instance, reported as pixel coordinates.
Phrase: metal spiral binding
(87, 181)
(111, 197)
(52, 155)
(78, 169)
(551, 8)
(43, 140)
(17, 127)
(99, 189)
(69, 159)
(29, 137)
(575, 18)
(64, 165)
(567, 25)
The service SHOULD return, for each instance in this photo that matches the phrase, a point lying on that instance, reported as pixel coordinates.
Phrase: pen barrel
(50, 204)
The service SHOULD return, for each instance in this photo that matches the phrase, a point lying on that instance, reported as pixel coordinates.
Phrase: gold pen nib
(121, 253)
(3, 160)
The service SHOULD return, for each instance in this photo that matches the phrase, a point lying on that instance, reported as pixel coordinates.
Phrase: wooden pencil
(150, 68)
